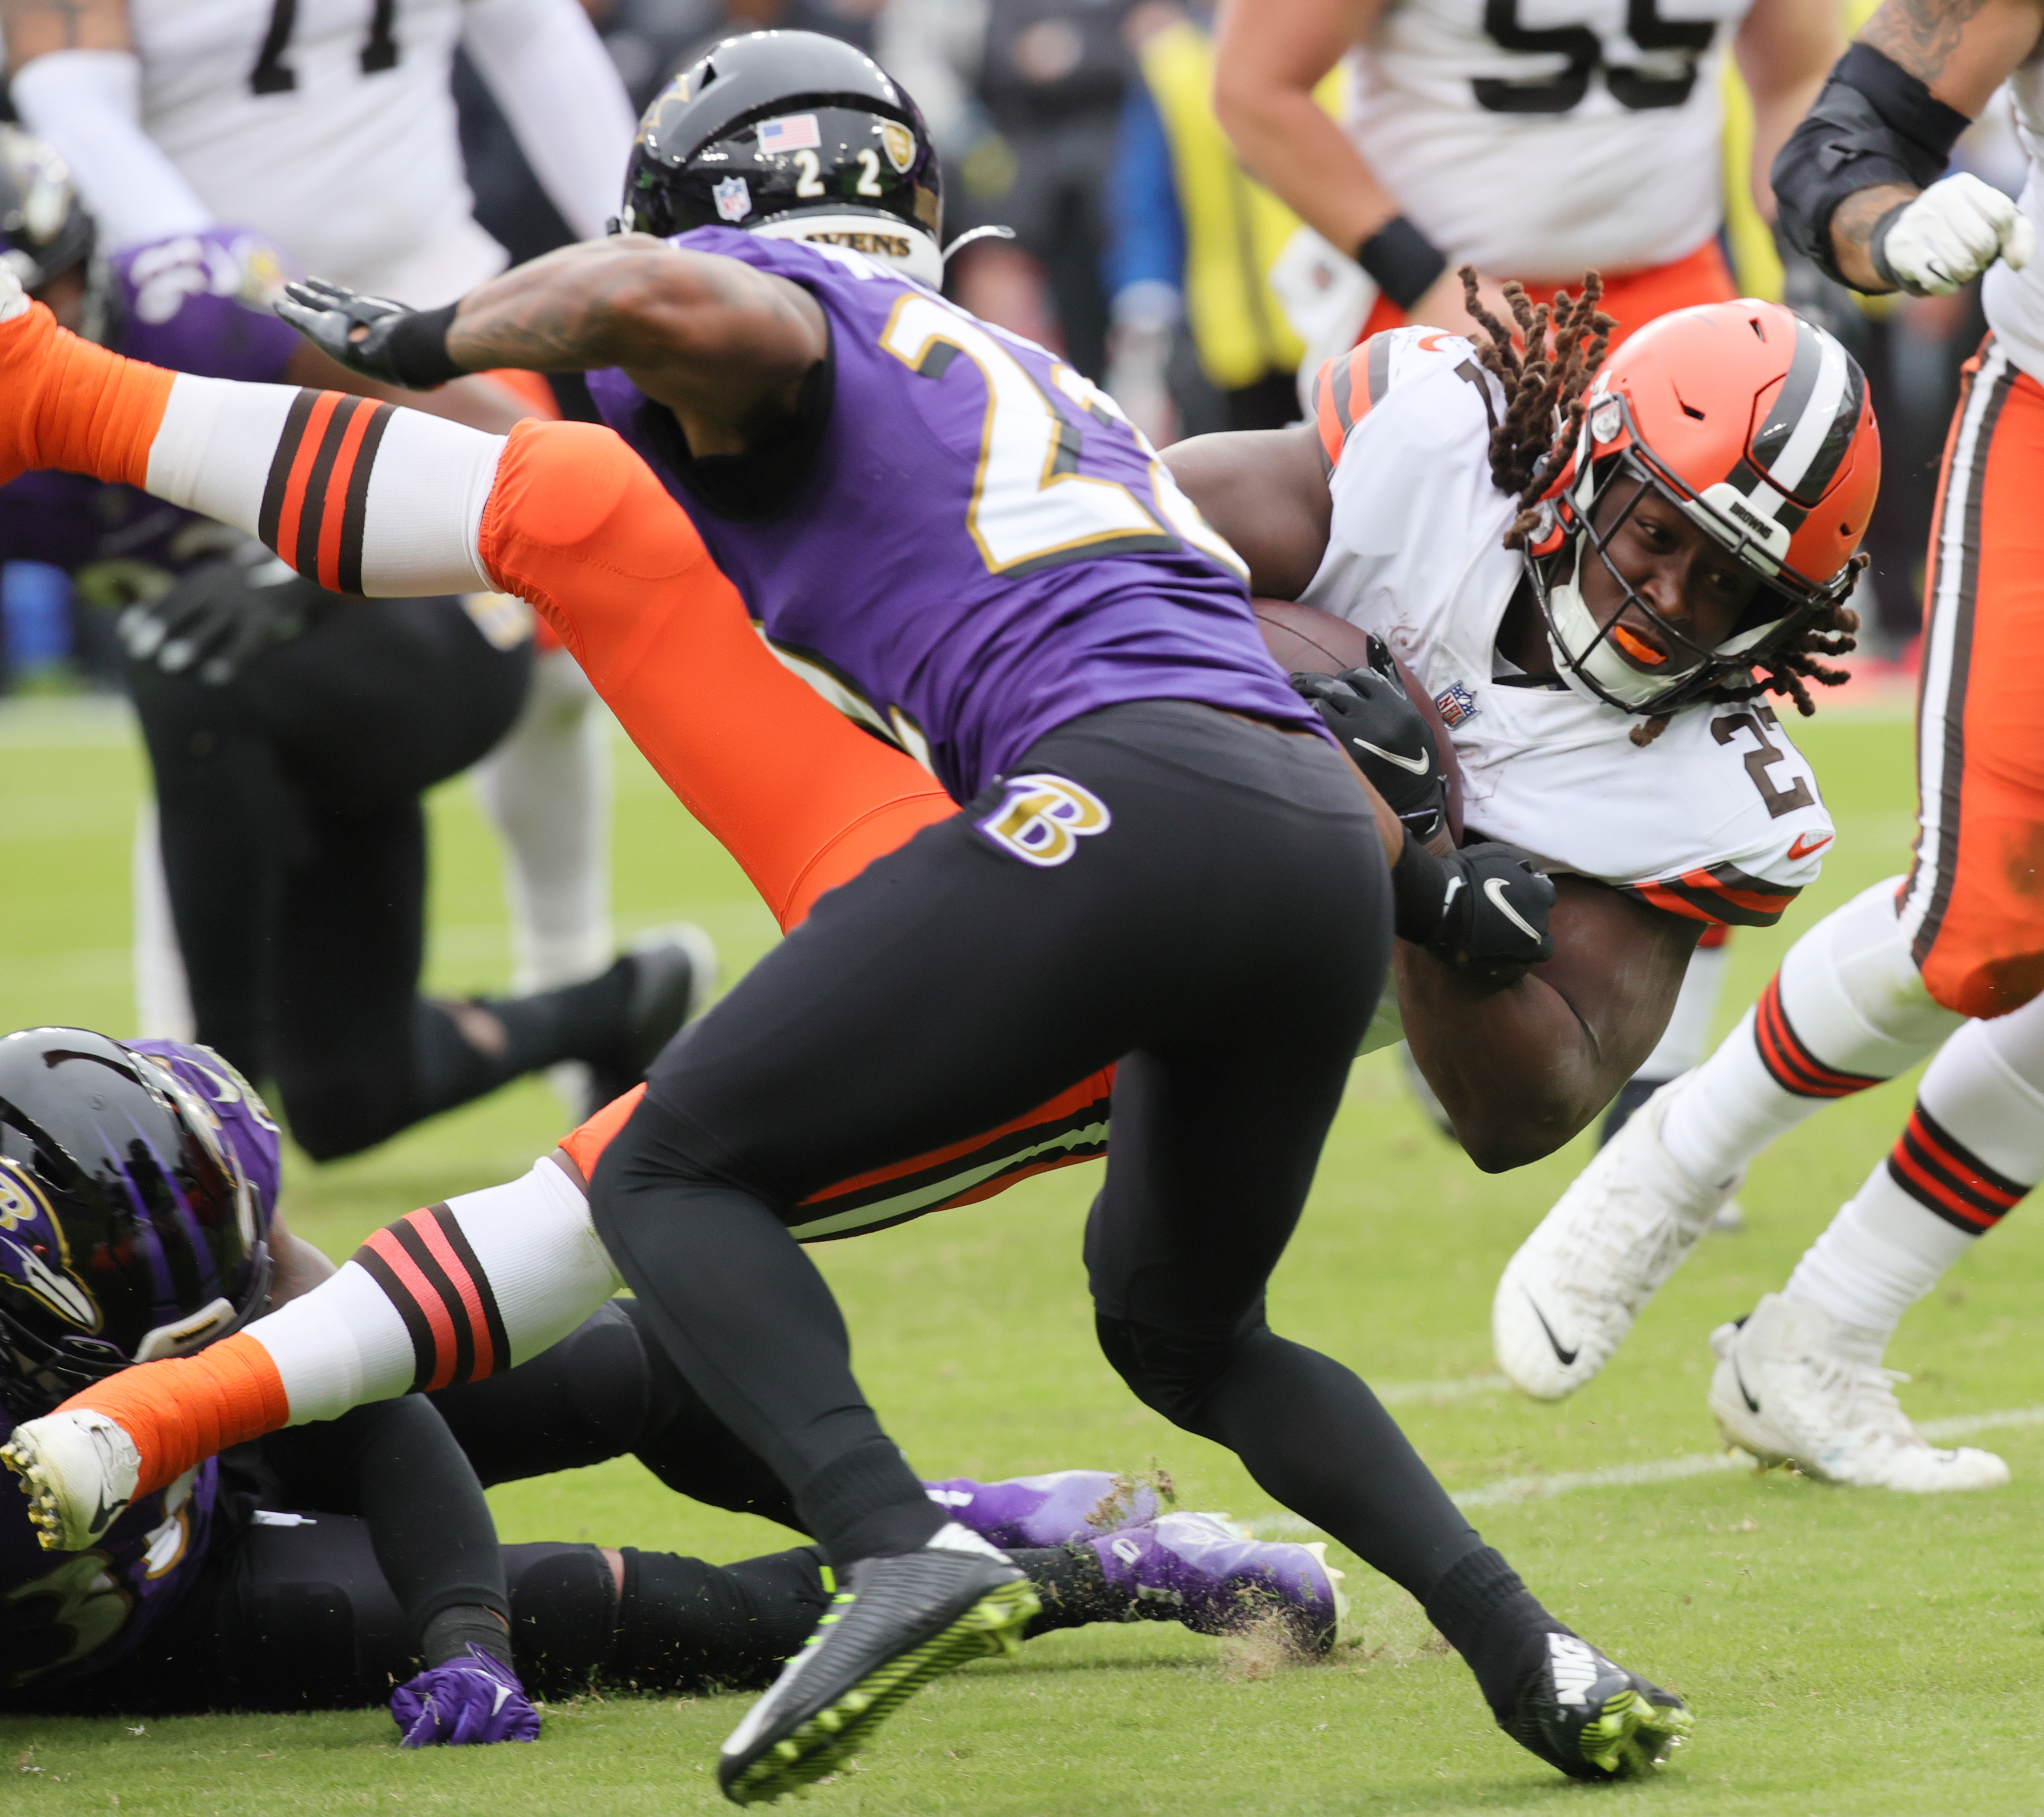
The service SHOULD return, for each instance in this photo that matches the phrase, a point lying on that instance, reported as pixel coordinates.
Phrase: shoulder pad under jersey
(1347, 387)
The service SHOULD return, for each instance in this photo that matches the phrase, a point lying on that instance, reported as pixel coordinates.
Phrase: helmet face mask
(792, 135)
(1722, 413)
(128, 1230)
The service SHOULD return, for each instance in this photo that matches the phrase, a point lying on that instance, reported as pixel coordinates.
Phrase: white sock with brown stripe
(1846, 1010)
(449, 1294)
(1974, 1146)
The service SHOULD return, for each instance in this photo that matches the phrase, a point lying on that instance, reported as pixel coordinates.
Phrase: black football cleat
(896, 1623)
(1588, 1716)
(673, 970)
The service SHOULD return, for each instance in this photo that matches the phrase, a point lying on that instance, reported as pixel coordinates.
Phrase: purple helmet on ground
(135, 1208)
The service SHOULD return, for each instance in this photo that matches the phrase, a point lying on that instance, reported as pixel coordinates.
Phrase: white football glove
(13, 299)
(1951, 234)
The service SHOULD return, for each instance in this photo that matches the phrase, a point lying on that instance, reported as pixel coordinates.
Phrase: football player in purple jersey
(1161, 860)
(317, 1568)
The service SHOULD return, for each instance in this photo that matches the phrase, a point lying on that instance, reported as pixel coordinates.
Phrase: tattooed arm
(725, 346)
(1962, 51)
(34, 28)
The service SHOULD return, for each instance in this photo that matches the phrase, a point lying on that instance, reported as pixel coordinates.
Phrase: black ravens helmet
(796, 136)
(128, 1230)
(44, 229)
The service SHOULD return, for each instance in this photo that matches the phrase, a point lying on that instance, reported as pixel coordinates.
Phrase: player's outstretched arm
(1861, 181)
(1520, 1070)
(725, 346)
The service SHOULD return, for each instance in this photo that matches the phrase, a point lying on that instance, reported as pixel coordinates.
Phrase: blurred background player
(291, 742)
(1192, 238)
(328, 129)
(1959, 941)
(1591, 142)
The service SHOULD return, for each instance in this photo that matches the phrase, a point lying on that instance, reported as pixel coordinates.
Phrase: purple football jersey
(982, 548)
(200, 303)
(197, 303)
(64, 1615)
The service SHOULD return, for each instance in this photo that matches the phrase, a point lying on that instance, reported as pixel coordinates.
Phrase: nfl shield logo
(1455, 703)
(733, 199)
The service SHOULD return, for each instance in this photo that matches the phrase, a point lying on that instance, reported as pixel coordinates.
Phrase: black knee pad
(1171, 1372)
(563, 1615)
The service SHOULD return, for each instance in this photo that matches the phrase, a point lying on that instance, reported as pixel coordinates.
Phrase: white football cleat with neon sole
(79, 1470)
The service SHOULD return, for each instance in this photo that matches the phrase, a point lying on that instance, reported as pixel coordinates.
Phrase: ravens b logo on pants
(1041, 819)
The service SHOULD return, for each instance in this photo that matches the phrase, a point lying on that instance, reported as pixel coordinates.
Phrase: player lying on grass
(373, 1544)
(615, 566)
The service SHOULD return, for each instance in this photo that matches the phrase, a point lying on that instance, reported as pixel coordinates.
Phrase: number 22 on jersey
(1031, 507)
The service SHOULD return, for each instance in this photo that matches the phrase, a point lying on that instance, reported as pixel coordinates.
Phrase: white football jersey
(1719, 818)
(2014, 300)
(1540, 139)
(268, 108)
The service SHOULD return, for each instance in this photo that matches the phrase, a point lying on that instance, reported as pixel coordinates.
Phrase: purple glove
(465, 1702)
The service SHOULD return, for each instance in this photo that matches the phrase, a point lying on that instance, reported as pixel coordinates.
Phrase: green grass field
(1844, 1652)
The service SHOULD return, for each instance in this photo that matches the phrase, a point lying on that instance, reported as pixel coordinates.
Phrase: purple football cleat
(464, 1702)
(1218, 1581)
(1065, 1508)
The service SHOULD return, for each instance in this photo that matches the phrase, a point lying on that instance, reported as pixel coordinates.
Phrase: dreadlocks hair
(1564, 342)
(1545, 390)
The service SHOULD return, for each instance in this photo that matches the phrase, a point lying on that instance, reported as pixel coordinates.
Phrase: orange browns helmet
(1756, 423)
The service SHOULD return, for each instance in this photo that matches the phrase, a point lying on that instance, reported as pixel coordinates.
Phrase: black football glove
(1482, 909)
(1387, 737)
(218, 617)
(372, 334)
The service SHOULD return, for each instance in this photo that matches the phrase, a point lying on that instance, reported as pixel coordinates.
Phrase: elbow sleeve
(1874, 124)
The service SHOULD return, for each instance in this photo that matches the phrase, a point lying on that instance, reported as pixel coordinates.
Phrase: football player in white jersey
(1533, 143)
(328, 126)
(1957, 943)
(1589, 619)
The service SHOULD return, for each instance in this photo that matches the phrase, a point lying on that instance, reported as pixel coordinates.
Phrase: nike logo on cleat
(1416, 765)
(102, 1515)
(1567, 1359)
(1744, 1393)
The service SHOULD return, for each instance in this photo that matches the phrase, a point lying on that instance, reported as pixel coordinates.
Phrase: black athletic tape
(1403, 260)
(1874, 124)
(417, 351)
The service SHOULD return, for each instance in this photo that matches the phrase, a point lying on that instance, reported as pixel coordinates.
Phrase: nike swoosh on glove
(1948, 235)
(1482, 908)
(1386, 737)
(465, 1702)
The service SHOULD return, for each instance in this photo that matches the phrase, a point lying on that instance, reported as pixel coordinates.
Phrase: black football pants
(1224, 938)
(294, 847)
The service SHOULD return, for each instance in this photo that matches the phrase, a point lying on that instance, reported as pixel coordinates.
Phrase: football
(1307, 641)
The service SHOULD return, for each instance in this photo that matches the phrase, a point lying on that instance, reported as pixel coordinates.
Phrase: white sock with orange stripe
(1846, 1010)
(451, 1293)
(1974, 1146)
